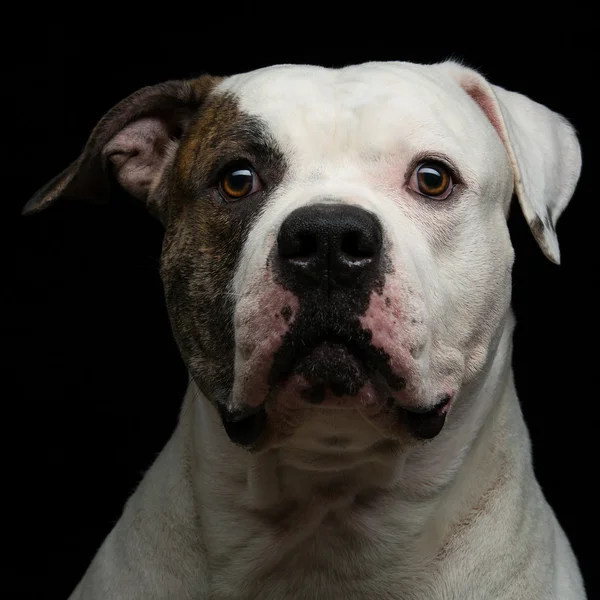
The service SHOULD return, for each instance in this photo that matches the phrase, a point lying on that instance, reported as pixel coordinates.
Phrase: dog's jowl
(337, 269)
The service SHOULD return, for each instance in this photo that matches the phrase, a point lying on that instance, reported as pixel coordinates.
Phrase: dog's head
(335, 239)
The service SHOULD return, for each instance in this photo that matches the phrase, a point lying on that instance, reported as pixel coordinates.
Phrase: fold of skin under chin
(323, 439)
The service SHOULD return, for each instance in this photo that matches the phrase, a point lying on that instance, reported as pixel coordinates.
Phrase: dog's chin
(328, 378)
(332, 370)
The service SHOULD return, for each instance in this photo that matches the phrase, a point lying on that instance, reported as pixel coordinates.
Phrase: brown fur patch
(205, 234)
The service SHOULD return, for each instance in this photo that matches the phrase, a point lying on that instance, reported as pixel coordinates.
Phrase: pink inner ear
(137, 153)
(486, 103)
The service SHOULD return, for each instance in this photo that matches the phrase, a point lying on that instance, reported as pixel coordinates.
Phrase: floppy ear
(133, 139)
(542, 147)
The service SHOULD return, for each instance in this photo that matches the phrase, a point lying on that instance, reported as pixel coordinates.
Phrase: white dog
(337, 268)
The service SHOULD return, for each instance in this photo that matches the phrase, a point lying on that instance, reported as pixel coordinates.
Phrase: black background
(91, 375)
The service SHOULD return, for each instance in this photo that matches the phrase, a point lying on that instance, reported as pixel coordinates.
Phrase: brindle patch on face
(205, 234)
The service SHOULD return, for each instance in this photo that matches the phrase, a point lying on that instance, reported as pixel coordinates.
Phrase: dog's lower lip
(245, 429)
(331, 367)
(427, 424)
(328, 345)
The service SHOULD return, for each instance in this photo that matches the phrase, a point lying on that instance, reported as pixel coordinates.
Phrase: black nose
(329, 243)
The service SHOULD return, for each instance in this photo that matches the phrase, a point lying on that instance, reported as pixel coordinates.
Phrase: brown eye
(238, 182)
(433, 180)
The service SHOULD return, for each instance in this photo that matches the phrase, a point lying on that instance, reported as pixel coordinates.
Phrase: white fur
(459, 517)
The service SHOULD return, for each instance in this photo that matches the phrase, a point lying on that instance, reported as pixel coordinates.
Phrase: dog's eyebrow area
(222, 133)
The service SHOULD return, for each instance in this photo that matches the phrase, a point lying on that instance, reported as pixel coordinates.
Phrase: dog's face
(341, 242)
(336, 240)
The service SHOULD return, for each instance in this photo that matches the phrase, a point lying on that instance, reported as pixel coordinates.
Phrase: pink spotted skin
(266, 312)
(263, 316)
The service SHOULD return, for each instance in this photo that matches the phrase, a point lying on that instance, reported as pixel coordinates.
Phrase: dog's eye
(238, 181)
(433, 180)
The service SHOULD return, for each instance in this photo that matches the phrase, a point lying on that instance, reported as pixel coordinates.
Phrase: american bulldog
(337, 270)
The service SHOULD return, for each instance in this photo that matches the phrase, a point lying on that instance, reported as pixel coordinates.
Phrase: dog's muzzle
(306, 334)
(329, 256)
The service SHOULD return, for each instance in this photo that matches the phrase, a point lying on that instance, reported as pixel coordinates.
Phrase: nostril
(358, 244)
(299, 244)
(308, 245)
(352, 245)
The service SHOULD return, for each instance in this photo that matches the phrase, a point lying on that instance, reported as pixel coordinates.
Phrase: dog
(337, 271)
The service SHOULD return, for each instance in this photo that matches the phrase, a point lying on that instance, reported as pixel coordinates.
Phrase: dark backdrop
(91, 375)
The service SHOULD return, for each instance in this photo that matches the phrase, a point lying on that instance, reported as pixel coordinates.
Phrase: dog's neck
(295, 488)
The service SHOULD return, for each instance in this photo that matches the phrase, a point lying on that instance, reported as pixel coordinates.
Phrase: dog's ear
(134, 139)
(542, 147)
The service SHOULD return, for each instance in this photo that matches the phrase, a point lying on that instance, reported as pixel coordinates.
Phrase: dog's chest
(344, 553)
